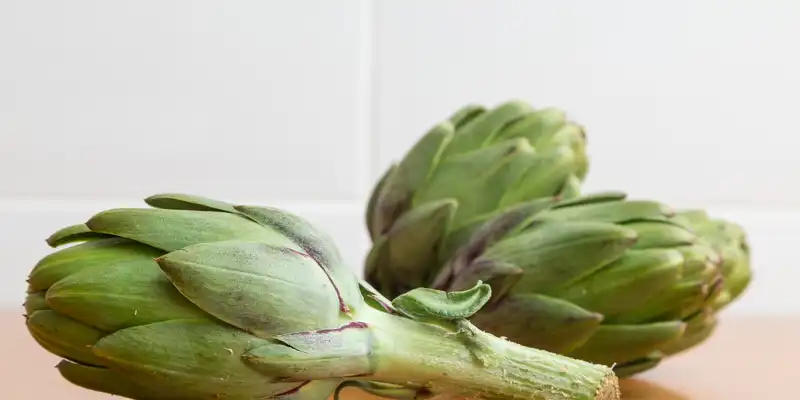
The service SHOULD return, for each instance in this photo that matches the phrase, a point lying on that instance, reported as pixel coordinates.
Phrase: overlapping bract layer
(191, 299)
(598, 277)
(458, 174)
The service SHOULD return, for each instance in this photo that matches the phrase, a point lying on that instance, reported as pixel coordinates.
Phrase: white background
(302, 104)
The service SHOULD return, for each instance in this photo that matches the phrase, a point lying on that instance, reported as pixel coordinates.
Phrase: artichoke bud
(316, 355)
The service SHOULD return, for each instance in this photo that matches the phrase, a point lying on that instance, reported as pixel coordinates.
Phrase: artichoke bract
(193, 298)
(598, 277)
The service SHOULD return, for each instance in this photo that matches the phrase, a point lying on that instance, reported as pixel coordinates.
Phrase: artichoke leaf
(311, 390)
(626, 283)
(254, 286)
(555, 255)
(698, 329)
(372, 203)
(85, 256)
(398, 190)
(35, 302)
(545, 176)
(482, 129)
(315, 355)
(316, 243)
(538, 127)
(72, 234)
(672, 302)
(611, 211)
(539, 321)
(499, 276)
(107, 381)
(473, 238)
(160, 357)
(384, 390)
(409, 249)
(64, 336)
(130, 293)
(618, 344)
(181, 201)
(465, 114)
(375, 298)
(637, 366)
(571, 188)
(661, 234)
(170, 230)
(592, 198)
(474, 179)
(427, 304)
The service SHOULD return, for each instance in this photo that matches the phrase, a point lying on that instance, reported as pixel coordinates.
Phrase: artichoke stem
(476, 364)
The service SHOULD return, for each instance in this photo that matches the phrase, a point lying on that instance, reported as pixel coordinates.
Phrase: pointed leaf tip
(72, 234)
(182, 201)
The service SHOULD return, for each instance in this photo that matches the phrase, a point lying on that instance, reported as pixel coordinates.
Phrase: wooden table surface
(748, 358)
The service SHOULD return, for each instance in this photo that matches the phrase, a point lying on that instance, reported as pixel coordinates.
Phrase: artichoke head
(459, 174)
(598, 277)
(194, 299)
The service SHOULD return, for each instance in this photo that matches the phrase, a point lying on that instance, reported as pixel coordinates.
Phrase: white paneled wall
(303, 104)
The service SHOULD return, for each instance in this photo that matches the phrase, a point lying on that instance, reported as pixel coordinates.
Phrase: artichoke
(463, 170)
(598, 277)
(194, 298)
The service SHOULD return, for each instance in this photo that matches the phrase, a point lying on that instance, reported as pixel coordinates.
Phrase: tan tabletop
(748, 358)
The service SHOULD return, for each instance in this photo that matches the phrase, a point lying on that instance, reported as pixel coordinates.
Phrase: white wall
(302, 104)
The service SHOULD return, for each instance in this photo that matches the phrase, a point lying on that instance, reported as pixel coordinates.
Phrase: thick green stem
(472, 363)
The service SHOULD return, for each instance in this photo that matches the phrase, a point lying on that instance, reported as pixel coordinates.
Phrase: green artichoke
(463, 170)
(194, 298)
(597, 277)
